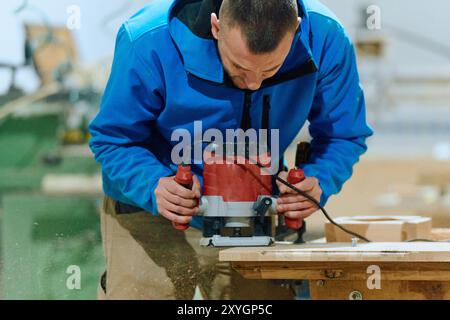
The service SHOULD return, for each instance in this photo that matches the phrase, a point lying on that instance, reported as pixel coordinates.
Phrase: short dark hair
(264, 23)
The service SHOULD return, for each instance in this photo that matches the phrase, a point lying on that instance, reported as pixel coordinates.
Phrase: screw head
(355, 295)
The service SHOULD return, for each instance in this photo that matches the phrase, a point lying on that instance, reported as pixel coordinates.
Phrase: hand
(293, 205)
(175, 202)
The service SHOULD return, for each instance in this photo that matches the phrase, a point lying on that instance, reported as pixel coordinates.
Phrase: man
(213, 61)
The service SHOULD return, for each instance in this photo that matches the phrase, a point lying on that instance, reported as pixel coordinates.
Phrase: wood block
(440, 234)
(380, 228)
(440, 215)
(342, 252)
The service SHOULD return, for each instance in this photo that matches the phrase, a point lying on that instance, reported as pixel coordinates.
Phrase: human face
(246, 69)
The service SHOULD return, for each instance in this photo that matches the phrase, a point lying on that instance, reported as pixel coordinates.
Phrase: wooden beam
(343, 252)
(350, 271)
(407, 270)
(390, 290)
(72, 184)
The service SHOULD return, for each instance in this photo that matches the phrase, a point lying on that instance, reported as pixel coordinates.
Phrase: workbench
(406, 270)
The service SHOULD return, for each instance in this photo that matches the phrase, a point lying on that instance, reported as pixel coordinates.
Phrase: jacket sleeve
(338, 124)
(127, 115)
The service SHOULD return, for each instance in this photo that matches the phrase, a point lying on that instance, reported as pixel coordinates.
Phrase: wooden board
(348, 271)
(329, 252)
(417, 270)
(390, 290)
(380, 228)
(72, 184)
(49, 56)
(437, 234)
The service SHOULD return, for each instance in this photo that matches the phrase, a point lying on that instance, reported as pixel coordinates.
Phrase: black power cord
(310, 198)
(321, 208)
(427, 240)
(304, 194)
(317, 203)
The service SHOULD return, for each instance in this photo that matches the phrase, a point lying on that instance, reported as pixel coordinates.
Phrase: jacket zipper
(246, 122)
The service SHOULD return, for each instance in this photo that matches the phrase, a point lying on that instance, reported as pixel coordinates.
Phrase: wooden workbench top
(342, 252)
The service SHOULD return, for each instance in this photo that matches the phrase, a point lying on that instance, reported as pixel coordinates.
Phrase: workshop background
(52, 74)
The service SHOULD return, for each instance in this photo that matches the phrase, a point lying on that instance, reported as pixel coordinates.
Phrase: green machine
(50, 245)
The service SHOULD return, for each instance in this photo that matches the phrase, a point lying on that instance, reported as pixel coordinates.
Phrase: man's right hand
(175, 202)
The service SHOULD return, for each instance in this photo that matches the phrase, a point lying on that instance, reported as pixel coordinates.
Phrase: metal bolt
(355, 295)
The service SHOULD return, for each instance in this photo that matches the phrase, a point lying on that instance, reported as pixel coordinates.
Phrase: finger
(283, 175)
(299, 214)
(291, 198)
(308, 184)
(196, 187)
(285, 189)
(187, 203)
(307, 213)
(175, 218)
(298, 206)
(178, 190)
(178, 209)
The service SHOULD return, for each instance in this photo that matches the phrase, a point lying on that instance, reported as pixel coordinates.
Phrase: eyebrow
(241, 67)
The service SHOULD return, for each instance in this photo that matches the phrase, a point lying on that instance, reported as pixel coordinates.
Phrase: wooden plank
(415, 271)
(343, 252)
(48, 57)
(424, 271)
(437, 234)
(390, 290)
(72, 184)
(20, 103)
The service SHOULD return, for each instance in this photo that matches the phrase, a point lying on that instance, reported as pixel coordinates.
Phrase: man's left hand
(293, 205)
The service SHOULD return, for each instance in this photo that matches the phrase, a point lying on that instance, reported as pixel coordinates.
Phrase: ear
(215, 26)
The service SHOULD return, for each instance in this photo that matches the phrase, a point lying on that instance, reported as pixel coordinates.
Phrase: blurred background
(52, 74)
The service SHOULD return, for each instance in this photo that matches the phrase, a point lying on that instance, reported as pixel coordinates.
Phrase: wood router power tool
(237, 203)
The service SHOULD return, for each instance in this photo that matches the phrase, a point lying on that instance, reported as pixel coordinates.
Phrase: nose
(253, 81)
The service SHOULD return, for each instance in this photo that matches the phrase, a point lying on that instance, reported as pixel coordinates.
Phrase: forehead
(233, 41)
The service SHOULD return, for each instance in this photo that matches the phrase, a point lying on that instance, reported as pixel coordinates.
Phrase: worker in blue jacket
(177, 62)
